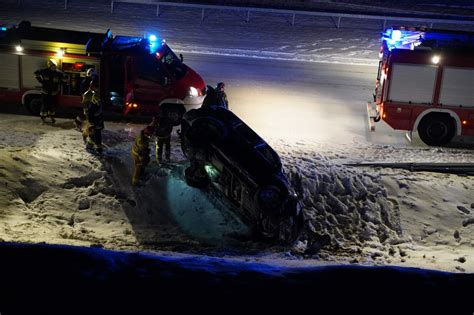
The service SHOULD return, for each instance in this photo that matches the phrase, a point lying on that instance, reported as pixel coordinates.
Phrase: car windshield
(248, 134)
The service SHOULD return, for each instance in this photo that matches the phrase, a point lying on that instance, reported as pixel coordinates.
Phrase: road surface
(297, 101)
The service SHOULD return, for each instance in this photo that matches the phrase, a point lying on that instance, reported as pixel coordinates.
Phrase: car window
(269, 155)
(248, 134)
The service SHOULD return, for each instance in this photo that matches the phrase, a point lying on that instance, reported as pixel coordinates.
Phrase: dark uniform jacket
(50, 80)
(163, 129)
(93, 109)
(86, 83)
(223, 99)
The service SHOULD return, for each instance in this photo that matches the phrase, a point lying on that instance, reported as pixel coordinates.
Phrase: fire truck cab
(425, 83)
(136, 74)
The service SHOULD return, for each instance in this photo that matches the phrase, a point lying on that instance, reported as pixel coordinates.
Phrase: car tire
(194, 181)
(33, 104)
(291, 227)
(436, 130)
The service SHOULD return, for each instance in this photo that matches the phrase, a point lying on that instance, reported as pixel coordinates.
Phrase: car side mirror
(181, 57)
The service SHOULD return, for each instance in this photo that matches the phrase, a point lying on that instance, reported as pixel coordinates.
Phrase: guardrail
(336, 17)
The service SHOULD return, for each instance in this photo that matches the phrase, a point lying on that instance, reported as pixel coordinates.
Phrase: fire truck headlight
(18, 48)
(193, 91)
(435, 59)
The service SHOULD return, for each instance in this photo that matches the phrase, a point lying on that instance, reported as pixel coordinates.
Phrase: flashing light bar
(152, 38)
(402, 39)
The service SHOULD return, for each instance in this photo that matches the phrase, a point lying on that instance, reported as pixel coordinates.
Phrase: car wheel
(33, 105)
(195, 178)
(291, 227)
(436, 130)
(267, 229)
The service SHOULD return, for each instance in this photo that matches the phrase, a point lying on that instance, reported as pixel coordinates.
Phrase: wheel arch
(172, 101)
(449, 112)
(27, 94)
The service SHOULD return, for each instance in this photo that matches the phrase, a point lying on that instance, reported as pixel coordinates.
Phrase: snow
(53, 191)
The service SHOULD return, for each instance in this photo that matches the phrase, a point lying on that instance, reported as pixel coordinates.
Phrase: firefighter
(163, 129)
(91, 76)
(221, 93)
(51, 79)
(92, 131)
(141, 153)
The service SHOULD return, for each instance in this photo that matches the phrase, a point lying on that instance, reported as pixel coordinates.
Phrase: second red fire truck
(425, 83)
(137, 74)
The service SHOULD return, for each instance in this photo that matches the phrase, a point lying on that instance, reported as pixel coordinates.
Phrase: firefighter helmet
(90, 72)
(148, 131)
(51, 63)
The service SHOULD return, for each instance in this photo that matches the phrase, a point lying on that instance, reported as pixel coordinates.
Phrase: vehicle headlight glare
(193, 91)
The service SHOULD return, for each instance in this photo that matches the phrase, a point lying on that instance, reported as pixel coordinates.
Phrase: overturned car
(227, 154)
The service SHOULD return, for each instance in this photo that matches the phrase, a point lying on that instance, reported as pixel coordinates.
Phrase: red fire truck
(136, 74)
(425, 83)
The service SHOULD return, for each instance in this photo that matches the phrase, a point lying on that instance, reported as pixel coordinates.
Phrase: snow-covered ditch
(53, 191)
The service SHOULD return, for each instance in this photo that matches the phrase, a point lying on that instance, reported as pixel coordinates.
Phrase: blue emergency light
(3, 28)
(410, 38)
(402, 39)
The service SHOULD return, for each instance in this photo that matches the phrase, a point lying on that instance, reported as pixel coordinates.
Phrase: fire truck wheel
(33, 105)
(173, 113)
(436, 130)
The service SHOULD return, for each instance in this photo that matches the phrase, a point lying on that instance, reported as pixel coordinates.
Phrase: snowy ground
(53, 191)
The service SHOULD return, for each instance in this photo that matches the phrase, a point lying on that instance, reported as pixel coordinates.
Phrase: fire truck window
(172, 63)
(116, 74)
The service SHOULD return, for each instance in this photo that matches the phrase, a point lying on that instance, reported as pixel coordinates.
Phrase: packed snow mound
(345, 209)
